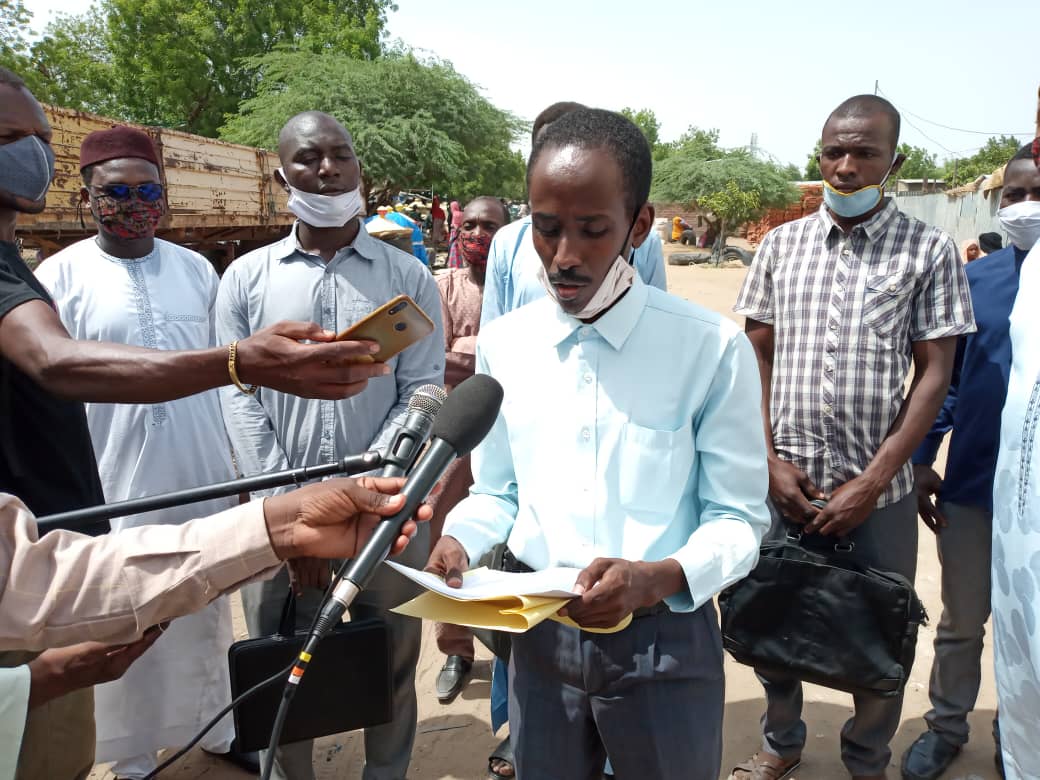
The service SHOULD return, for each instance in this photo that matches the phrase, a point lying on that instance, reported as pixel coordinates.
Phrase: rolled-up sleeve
(755, 300)
(732, 481)
(67, 588)
(942, 305)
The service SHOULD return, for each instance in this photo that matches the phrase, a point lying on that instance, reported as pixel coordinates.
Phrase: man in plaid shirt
(838, 304)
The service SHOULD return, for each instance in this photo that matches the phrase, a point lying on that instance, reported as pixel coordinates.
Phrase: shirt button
(828, 369)
(891, 288)
(588, 379)
(586, 434)
(845, 253)
(827, 409)
(833, 325)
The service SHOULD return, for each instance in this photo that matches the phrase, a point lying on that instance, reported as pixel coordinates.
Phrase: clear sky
(742, 66)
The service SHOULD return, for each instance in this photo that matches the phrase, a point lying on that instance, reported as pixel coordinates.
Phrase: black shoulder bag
(823, 618)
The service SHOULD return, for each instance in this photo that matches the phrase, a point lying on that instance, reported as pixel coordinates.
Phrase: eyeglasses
(149, 191)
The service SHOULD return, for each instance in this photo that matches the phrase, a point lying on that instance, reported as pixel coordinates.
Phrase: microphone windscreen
(468, 413)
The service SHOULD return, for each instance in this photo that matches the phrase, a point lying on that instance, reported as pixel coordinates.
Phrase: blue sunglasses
(149, 191)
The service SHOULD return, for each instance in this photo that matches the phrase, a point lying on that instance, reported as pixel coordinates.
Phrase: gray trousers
(887, 540)
(388, 748)
(964, 551)
(650, 697)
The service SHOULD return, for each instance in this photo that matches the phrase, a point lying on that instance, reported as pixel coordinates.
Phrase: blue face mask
(858, 202)
(26, 168)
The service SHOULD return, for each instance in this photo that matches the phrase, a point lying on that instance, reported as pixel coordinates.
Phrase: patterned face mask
(127, 219)
(474, 247)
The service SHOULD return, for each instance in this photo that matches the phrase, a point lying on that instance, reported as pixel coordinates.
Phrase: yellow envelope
(515, 614)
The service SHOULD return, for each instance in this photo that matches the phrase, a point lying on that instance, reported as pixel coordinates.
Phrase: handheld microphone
(464, 420)
(413, 432)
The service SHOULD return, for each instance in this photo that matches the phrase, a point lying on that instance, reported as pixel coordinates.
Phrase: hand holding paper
(504, 601)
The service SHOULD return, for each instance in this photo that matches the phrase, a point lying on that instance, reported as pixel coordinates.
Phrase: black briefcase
(821, 617)
(347, 686)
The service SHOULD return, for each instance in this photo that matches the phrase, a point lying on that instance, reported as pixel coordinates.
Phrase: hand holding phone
(395, 325)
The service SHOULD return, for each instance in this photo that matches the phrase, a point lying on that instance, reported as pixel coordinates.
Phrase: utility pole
(875, 86)
(1037, 113)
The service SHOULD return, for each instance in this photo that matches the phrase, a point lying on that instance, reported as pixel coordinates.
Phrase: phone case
(395, 325)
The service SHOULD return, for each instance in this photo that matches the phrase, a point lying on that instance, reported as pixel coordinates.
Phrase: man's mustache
(567, 276)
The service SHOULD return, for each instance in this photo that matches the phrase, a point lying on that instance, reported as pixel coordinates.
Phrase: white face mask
(323, 211)
(1021, 221)
(618, 279)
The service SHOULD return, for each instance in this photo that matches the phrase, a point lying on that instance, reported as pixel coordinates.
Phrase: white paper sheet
(484, 583)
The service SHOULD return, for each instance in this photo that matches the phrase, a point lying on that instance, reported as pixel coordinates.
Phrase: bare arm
(34, 339)
(855, 500)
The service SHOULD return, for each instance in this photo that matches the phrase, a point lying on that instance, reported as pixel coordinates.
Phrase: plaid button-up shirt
(845, 309)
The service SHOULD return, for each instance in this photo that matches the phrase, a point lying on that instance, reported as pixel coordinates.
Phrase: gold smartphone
(395, 325)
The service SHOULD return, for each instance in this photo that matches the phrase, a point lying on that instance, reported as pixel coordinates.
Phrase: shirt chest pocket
(654, 468)
(887, 302)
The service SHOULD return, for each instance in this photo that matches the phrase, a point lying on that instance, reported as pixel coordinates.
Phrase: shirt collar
(615, 326)
(364, 245)
(874, 228)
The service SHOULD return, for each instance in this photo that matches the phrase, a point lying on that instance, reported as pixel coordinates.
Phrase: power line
(940, 124)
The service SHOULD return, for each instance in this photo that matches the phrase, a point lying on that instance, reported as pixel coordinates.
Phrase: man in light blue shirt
(629, 446)
(513, 263)
(331, 271)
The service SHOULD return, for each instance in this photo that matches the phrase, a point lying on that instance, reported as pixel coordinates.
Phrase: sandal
(504, 753)
(765, 766)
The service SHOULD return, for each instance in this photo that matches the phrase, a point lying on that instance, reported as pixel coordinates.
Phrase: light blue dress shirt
(512, 280)
(638, 436)
(270, 430)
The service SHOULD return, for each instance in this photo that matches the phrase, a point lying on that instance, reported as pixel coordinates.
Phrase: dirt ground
(453, 741)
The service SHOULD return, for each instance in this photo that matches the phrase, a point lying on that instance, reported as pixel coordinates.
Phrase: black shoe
(928, 757)
(250, 761)
(452, 678)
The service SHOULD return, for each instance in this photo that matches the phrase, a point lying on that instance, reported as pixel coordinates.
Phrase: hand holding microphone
(335, 518)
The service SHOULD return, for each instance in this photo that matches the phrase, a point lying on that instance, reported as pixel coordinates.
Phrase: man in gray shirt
(331, 270)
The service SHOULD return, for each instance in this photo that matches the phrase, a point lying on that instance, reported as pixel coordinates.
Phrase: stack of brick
(812, 197)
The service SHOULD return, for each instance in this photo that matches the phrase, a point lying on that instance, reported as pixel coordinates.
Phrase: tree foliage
(416, 123)
(187, 64)
(698, 172)
(812, 165)
(995, 153)
(920, 163)
(646, 120)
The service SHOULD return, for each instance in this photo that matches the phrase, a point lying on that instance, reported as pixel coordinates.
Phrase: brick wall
(692, 216)
(812, 197)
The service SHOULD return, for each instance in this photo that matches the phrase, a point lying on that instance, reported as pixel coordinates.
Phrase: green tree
(70, 65)
(416, 123)
(920, 163)
(187, 64)
(14, 27)
(698, 171)
(995, 153)
(731, 206)
(646, 120)
(812, 164)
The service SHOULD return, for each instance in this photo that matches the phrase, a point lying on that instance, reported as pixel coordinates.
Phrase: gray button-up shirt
(271, 430)
(846, 309)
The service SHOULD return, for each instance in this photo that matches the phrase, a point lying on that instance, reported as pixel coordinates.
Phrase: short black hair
(1025, 153)
(550, 114)
(9, 78)
(990, 242)
(506, 216)
(860, 106)
(596, 128)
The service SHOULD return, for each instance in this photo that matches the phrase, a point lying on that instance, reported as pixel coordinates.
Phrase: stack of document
(500, 600)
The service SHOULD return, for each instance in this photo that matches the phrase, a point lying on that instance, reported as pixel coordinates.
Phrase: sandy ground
(453, 741)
